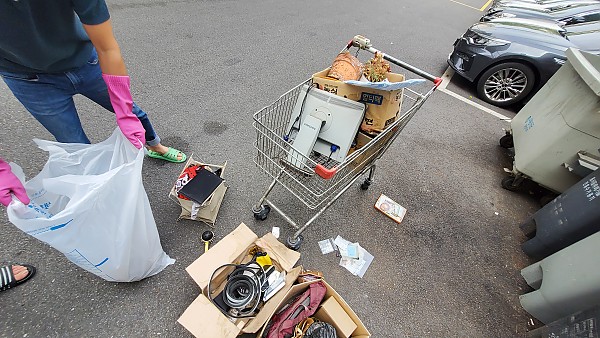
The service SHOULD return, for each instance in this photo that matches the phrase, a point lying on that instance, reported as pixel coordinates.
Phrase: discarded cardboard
(332, 312)
(202, 318)
(360, 331)
(209, 211)
(382, 106)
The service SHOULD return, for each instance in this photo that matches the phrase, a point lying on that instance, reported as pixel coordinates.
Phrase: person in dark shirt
(52, 50)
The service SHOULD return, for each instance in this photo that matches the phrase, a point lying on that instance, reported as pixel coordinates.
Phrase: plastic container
(559, 121)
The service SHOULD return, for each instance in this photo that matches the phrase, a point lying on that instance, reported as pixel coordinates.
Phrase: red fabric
(283, 326)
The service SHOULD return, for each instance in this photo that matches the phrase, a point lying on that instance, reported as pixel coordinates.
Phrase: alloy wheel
(505, 84)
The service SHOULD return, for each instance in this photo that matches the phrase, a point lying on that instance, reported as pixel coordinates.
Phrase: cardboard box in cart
(359, 332)
(202, 318)
(382, 106)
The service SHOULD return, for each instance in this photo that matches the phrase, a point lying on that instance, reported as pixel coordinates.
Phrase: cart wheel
(262, 213)
(508, 184)
(506, 141)
(294, 244)
(366, 184)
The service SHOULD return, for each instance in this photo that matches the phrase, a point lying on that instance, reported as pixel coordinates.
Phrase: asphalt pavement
(201, 69)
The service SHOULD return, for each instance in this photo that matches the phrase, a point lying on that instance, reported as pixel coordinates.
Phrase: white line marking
(447, 76)
(460, 3)
(477, 105)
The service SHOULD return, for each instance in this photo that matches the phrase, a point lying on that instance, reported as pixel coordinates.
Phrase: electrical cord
(298, 118)
(244, 288)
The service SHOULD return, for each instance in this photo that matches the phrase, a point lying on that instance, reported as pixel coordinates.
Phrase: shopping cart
(321, 181)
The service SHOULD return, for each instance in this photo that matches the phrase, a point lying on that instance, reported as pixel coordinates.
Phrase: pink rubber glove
(119, 91)
(10, 184)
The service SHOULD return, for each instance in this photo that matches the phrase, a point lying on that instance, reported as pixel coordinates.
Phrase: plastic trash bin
(559, 121)
(566, 282)
(583, 324)
(570, 217)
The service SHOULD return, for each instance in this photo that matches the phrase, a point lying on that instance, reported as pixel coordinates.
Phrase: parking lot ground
(473, 4)
(201, 68)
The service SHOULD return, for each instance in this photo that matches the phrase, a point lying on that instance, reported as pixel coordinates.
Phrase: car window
(593, 16)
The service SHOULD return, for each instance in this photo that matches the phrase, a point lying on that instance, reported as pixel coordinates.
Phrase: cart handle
(324, 172)
(363, 43)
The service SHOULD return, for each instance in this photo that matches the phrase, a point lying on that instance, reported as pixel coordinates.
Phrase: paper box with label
(382, 106)
(202, 318)
(356, 329)
(208, 211)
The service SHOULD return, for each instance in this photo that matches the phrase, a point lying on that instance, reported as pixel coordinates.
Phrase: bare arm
(109, 53)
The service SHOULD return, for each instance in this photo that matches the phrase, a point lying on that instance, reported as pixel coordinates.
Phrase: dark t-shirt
(46, 36)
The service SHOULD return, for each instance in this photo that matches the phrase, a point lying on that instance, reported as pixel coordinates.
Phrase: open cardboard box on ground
(359, 332)
(333, 313)
(382, 106)
(202, 318)
(209, 211)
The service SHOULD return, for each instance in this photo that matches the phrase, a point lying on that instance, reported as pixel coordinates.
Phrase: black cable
(298, 118)
(241, 289)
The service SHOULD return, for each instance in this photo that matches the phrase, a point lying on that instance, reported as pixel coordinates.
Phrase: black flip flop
(7, 278)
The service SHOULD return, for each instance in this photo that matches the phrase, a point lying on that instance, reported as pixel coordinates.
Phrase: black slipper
(7, 278)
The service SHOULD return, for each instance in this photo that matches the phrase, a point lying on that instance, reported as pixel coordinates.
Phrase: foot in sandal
(13, 275)
(166, 153)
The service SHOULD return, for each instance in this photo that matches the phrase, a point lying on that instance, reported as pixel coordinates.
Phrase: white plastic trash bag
(89, 203)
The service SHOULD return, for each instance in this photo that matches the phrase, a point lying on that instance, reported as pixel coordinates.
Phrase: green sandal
(170, 155)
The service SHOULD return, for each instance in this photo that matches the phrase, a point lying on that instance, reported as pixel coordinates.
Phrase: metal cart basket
(321, 181)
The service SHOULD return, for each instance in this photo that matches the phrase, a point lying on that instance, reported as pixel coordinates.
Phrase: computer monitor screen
(339, 118)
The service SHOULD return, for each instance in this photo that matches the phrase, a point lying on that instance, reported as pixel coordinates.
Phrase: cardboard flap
(286, 257)
(225, 251)
(203, 319)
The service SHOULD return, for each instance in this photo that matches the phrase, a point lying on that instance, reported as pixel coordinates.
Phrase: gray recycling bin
(559, 121)
(570, 217)
(565, 282)
(582, 324)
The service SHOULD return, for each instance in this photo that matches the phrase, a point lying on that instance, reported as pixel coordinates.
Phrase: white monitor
(331, 128)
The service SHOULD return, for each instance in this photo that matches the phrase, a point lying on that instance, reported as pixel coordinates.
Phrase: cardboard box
(332, 312)
(202, 318)
(209, 211)
(382, 106)
(360, 331)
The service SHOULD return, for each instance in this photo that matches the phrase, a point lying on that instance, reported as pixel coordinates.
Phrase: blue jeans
(49, 98)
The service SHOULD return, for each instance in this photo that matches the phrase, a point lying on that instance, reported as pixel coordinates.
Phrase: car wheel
(505, 84)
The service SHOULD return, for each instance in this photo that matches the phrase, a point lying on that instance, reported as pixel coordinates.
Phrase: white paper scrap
(342, 245)
(276, 232)
(326, 246)
(359, 266)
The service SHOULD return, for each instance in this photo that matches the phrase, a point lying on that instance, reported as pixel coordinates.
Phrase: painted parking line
(475, 8)
(447, 76)
(486, 5)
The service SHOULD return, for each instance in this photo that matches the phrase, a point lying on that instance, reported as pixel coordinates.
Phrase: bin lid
(587, 66)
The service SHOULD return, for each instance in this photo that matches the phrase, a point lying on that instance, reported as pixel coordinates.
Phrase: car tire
(505, 84)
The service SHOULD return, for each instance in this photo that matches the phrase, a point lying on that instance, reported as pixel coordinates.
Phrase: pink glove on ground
(10, 184)
(119, 91)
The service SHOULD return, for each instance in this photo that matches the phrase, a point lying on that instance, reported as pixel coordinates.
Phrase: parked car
(509, 59)
(496, 3)
(566, 13)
